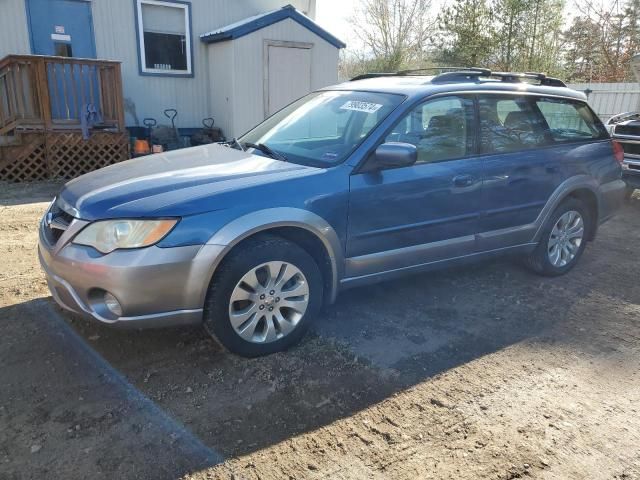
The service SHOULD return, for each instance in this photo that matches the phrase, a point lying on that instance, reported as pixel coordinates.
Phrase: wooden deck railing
(41, 92)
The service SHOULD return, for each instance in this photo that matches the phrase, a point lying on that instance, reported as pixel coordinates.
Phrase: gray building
(236, 61)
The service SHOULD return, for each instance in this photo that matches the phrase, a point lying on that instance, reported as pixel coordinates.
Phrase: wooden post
(42, 87)
(119, 96)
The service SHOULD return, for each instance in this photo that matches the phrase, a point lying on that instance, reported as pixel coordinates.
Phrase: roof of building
(256, 22)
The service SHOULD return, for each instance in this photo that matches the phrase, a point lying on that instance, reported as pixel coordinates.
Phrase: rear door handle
(463, 180)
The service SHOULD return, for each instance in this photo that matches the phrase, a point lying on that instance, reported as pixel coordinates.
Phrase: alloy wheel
(268, 302)
(565, 239)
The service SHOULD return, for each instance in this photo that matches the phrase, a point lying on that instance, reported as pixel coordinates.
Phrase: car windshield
(323, 128)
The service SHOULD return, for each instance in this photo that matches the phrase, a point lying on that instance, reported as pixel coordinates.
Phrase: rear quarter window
(570, 121)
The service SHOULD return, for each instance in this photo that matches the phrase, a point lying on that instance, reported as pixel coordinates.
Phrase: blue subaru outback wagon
(378, 177)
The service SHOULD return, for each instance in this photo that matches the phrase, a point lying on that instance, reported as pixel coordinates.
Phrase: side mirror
(392, 155)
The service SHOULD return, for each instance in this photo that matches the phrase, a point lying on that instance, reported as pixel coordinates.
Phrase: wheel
(263, 297)
(563, 239)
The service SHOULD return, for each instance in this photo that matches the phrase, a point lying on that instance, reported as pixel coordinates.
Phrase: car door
(425, 212)
(521, 168)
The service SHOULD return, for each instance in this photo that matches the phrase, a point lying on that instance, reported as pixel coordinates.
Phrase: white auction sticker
(361, 106)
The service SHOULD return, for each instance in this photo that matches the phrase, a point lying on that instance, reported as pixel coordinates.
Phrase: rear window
(570, 121)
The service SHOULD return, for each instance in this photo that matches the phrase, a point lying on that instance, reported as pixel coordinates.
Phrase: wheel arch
(589, 198)
(307, 229)
(581, 187)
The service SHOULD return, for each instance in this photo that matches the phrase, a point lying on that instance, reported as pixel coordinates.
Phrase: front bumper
(155, 286)
(631, 172)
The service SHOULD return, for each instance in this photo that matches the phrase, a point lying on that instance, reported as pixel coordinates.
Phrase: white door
(288, 76)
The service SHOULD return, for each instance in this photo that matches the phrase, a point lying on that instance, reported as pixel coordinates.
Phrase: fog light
(112, 304)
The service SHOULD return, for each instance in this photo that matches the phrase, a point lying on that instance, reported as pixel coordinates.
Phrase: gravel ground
(486, 371)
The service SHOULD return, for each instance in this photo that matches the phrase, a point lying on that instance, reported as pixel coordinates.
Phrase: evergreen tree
(466, 34)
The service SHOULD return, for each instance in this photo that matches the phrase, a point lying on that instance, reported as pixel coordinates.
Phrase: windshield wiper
(266, 150)
(233, 143)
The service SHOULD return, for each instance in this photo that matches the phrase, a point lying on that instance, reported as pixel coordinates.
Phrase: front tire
(263, 296)
(563, 239)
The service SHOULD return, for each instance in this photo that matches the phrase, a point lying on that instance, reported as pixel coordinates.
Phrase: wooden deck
(41, 103)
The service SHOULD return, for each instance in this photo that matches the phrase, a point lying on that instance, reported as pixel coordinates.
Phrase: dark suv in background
(386, 175)
(625, 129)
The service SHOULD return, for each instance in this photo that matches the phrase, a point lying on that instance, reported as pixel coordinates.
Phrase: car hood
(177, 183)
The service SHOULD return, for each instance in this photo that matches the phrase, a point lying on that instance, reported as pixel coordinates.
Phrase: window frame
(530, 100)
(474, 94)
(472, 132)
(575, 103)
(142, 67)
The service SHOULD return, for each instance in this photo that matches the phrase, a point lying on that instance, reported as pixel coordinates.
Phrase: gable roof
(251, 24)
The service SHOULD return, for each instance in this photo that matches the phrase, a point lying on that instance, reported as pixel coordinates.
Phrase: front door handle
(463, 180)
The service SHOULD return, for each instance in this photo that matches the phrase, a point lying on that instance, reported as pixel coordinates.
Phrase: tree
(394, 33)
(581, 50)
(466, 34)
(602, 40)
(631, 32)
(508, 35)
(543, 36)
(510, 16)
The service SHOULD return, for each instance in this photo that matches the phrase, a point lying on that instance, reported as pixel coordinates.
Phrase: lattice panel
(69, 155)
(25, 162)
(66, 155)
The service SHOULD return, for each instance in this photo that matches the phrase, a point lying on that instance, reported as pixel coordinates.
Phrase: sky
(333, 16)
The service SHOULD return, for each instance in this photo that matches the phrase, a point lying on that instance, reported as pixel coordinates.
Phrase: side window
(570, 121)
(441, 129)
(509, 124)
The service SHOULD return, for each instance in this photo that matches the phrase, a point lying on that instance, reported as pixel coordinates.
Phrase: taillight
(618, 151)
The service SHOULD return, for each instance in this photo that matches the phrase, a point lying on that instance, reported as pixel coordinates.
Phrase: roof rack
(464, 74)
(416, 72)
(510, 77)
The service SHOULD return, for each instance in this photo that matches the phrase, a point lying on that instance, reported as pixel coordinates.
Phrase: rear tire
(563, 239)
(263, 296)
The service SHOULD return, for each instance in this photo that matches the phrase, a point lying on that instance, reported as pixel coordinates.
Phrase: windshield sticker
(329, 155)
(366, 107)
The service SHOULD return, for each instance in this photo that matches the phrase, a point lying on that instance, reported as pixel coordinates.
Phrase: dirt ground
(479, 372)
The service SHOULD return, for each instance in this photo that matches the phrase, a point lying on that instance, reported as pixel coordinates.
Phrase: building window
(164, 37)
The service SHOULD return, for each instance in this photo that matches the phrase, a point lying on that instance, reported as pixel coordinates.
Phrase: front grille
(631, 148)
(632, 130)
(56, 222)
(633, 166)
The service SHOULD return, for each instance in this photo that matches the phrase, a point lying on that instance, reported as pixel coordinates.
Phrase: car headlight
(109, 235)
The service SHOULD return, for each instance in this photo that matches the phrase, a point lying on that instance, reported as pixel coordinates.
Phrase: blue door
(62, 28)
(522, 169)
(423, 213)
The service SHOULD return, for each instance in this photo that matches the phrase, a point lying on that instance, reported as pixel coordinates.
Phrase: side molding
(239, 229)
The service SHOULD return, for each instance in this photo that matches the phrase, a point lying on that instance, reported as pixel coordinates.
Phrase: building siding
(608, 99)
(222, 85)
(14, 30)
(249, 68)
(114, 25)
